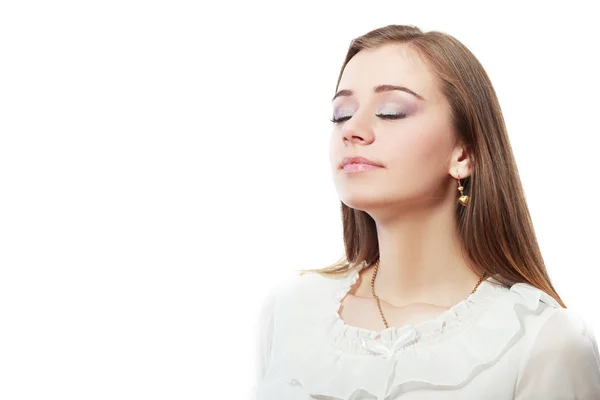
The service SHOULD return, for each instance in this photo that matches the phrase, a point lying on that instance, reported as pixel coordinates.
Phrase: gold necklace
(377, 298)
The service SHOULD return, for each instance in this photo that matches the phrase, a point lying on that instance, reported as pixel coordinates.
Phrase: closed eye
(382, 116)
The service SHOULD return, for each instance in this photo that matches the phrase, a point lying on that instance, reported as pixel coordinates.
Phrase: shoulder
(298, 303)
(561, 358)
(550, 320)
(290, 297)
(297, 292)
(547, 329)
(548, 324)
(308, 289)
(564, 331)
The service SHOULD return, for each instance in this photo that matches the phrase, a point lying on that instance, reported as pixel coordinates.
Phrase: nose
(358, 130)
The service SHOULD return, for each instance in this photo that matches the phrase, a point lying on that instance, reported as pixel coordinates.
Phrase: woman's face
(414, 144)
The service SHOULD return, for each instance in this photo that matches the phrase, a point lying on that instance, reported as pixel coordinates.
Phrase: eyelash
(382, 116)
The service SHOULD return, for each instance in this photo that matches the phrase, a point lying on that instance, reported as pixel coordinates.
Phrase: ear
(461, 162)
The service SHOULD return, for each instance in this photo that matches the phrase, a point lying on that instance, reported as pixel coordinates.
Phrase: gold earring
(463, 199)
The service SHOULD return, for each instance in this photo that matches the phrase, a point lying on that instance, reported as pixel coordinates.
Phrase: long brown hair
(495, 228)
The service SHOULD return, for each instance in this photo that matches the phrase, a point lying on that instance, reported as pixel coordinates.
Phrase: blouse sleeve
(562, 362)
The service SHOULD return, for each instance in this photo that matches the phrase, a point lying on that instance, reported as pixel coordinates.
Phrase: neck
(421, 259)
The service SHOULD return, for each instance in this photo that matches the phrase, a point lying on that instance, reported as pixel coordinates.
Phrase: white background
(164, 164)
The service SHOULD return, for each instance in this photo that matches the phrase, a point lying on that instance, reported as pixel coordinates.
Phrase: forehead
(394, 64)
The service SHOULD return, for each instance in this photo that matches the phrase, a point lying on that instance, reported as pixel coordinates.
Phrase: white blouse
(500, 343)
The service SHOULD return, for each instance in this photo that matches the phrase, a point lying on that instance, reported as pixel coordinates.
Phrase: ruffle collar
(388, 341)
(350, 362)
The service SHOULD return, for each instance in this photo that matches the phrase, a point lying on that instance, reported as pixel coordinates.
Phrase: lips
(359, 160)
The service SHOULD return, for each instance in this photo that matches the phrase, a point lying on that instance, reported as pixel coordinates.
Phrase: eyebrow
(379, 89)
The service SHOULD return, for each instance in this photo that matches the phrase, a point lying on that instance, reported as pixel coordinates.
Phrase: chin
(361, 201)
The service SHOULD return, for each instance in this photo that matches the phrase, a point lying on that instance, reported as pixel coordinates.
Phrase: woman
(443, 292)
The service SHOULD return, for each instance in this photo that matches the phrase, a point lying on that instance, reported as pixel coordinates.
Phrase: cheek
(419, 154)
(418, 144)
